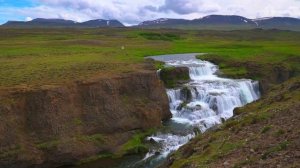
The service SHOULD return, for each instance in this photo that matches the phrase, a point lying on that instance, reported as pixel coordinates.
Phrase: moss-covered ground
(53, 56)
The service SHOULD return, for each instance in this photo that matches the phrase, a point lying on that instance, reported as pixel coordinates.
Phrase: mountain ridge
(41, 22)
(225, 21)
(219, 22)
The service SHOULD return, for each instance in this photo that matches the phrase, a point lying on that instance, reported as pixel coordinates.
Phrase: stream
(206, 101)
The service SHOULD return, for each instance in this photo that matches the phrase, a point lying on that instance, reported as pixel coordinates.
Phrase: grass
(159, 65)
(218, 146)
(135, 145)
(34, 57)
(160, 36)
(279, 147)
(48, 145)
(266, 129)
(233, 72)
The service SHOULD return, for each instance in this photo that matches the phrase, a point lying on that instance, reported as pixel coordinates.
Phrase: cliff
(62, 125)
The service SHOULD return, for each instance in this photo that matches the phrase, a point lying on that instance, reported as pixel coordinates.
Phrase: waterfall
(212, 101)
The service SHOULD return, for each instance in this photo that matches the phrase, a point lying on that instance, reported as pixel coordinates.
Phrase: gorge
(207, 100)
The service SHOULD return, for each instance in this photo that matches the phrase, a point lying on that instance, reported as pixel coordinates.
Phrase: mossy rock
(173, 76)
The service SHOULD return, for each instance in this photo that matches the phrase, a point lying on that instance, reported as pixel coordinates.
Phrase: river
(206, 101)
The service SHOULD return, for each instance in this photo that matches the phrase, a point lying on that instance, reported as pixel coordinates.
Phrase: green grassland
(33, 57)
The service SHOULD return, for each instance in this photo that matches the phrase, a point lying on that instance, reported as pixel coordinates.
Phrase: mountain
(278, 22)
(225, 22)
(163, 22)
(223, 19)
(211, 22)
(40, 22)
(102, 23)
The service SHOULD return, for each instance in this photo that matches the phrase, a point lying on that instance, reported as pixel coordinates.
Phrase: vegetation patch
(160, 36)
(159, 65)
(279, 147)
(234, 72)
(136, 144)
(266, 129)
(213, 151)
(171, 76)
(48, 145)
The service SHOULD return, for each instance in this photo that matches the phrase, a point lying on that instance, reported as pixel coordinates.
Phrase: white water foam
(211, 100)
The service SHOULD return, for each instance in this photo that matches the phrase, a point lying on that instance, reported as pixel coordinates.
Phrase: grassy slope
(41, 56)
(263, 134)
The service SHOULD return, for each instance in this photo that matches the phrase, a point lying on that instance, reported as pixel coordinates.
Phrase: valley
(73, 97)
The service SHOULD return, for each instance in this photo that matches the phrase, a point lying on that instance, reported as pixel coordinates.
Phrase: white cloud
(28, 19)
(134, 11)
(189, 6)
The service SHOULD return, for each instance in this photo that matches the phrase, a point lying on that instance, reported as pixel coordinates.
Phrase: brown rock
(63, 124)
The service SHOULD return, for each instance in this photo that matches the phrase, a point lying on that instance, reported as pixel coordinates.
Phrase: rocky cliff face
(60, 125)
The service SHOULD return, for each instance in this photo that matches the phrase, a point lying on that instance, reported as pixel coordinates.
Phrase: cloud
(133, 11)
(28, 19)
(181, 6)
(185, 7)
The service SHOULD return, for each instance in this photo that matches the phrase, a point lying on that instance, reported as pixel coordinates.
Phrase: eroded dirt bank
(63, 125)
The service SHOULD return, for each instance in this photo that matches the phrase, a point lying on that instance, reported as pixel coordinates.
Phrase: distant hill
(163, 22)
(102, 23)
(39, 22)
(211, 22)
(278, 22)
(225, 22)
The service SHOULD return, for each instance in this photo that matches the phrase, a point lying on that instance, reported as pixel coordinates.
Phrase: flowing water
(207, 100)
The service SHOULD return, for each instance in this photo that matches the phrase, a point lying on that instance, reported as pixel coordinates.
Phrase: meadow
(35, 57)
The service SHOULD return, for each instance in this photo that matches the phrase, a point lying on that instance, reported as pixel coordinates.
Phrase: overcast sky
(135, 11)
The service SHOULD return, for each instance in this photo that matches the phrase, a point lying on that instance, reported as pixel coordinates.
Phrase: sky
(135, 11)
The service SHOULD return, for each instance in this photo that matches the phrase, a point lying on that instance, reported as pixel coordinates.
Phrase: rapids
(207, 100)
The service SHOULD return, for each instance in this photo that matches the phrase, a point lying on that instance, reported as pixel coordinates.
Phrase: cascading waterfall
(210, 101)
